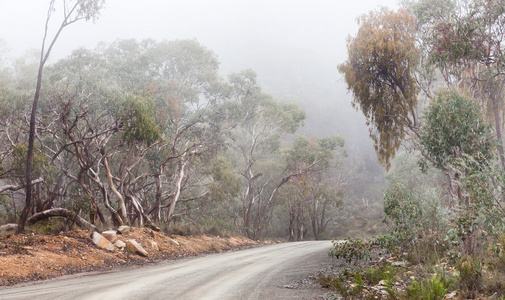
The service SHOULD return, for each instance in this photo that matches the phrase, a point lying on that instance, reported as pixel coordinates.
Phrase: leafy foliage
(380, 74)
(39, 161)
(431, 289)
(470, 275)
(360, 249)
(138, 117)
(404, 210)
(454, 128)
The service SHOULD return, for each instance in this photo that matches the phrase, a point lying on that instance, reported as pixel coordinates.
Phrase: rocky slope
(29, 257)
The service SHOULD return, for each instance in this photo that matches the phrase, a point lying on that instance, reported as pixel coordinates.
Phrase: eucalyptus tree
(380, 74)
(466, 44)
(140, 131)
(460, 143)
(15, 90)
(317, 188)
(83, 108)
(454, 129)
(189, 95)
(255, 140)
(73, 11)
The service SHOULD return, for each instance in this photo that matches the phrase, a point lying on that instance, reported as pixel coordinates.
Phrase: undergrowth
(431, 272)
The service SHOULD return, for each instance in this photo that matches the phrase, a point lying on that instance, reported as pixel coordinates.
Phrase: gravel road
(278, 271)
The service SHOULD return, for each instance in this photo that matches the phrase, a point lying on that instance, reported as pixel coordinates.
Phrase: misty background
(293, 46)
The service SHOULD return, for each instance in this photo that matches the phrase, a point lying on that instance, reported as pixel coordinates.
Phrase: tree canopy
(454, 127)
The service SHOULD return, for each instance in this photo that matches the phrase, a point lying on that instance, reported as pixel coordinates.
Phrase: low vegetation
(444, 198)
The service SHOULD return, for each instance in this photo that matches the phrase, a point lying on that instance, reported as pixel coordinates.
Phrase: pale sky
(275, 38)
(224, 26)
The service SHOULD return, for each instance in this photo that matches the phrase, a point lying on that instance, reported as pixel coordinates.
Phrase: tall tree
(315, 189)
(379, 72)
(467, 45)
(460, 143)
(255, 141)
(73, 11)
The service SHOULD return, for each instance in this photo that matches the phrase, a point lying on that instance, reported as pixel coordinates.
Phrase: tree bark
(156, 212)
(19, 186)
(29, 154)
(494, 101)
(44, 55)
(178, 188)
(120, 197)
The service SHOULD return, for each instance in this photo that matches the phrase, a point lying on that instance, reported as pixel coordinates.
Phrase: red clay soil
(29, 257)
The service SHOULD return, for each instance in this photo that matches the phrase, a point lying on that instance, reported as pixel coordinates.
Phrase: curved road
(268, 272)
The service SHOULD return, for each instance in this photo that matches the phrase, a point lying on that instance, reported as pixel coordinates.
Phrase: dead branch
(60, 212)
(13, 188)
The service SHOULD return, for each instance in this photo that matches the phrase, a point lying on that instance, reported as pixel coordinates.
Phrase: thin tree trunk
(44, 55)
(29, 154)
(116, 218)
(178, 187)
(122, 205)
(494, 101)
(291, 228)
(157, 205)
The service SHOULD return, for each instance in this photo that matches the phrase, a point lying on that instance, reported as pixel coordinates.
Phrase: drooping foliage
(457, 63)
(379, 72)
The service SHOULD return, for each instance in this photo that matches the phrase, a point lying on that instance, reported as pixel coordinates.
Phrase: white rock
(123, 229)
(154, 245)
(135, 247)
(110, 235)
(120, 244)
(102, 242)
(399, 264)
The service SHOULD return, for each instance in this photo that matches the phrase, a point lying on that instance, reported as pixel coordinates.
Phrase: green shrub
(431, 289)
(428, 250)
(404, 211)
(359, 249)
(375, 274)
(358, 280)
(470, 275)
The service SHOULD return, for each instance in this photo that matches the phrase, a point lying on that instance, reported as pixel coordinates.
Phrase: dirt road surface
(278, 271)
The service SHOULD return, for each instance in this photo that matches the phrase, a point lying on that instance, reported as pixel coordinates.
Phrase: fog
(294, 46)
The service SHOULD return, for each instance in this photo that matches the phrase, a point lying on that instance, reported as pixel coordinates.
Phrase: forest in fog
(153, 132)
(138, 132)
(397, 146)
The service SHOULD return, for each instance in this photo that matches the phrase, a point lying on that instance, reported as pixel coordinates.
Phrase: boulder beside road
(123, 229)
(110, 235)
(101, 241)
(135, 247)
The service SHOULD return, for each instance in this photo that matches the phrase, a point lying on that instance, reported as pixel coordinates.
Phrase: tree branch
(19, 186)
(60, 212)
